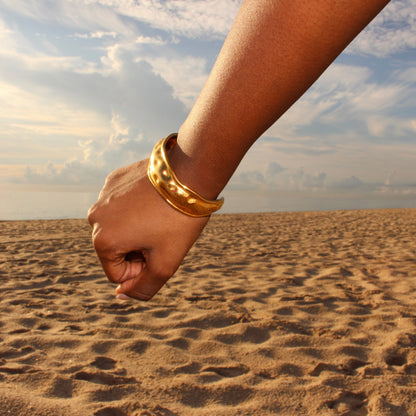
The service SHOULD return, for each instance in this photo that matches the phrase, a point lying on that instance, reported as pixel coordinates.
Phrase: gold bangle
(178, 195)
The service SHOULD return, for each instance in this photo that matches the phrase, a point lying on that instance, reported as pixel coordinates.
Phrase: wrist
(173, 191)
(195, 168)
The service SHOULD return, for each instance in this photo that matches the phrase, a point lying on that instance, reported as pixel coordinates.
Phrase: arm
(272, 55)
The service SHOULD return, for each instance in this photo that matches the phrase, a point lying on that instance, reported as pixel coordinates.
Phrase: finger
(142, 287)
(120, 270)
(122, 296)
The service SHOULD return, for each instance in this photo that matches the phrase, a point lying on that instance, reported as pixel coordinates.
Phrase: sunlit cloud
(348, 96)
(28, 114)
(331, 93)
(91, 16)
(391, 32)
(408, 75)
(208, 18)
(95, 35)
(289, 180)
(186, 75)
(94, 83)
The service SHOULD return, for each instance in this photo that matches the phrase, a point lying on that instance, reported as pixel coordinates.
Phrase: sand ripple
(270, 314)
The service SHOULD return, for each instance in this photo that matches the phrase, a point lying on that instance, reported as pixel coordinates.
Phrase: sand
(270, 314)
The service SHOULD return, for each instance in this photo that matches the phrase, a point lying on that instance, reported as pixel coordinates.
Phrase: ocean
(27, 205)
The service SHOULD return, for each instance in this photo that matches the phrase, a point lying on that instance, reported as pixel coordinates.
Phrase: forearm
(272, 55)
(274, 52)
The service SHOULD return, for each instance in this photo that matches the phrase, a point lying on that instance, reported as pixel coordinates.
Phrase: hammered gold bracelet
(172, 190)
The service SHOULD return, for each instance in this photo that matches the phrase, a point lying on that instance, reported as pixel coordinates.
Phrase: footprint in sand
(229, 371)
(60, 387)
(103, 378)
(348, 402)
(104, 363)
(110, 411)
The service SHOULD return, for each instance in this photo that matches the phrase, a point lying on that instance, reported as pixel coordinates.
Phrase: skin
(272, 55)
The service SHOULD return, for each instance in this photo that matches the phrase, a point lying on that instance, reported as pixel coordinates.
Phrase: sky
(87, 86)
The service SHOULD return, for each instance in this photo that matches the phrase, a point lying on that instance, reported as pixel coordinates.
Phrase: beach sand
(270, 314)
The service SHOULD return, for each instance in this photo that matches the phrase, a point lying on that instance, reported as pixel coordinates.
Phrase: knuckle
(91, 215)
(101, 241)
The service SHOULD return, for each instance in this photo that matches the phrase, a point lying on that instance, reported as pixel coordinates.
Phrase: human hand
(139, 238)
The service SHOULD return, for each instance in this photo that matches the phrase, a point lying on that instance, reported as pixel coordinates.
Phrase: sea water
(27, 205)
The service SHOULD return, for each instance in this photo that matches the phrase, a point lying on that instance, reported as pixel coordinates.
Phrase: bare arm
(272, 55)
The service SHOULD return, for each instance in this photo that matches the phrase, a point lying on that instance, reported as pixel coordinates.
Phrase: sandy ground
(270, 314)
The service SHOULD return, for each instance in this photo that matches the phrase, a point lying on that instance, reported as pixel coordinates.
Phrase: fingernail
(122, 296)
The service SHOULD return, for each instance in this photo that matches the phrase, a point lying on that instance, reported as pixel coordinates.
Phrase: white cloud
(150, 40)
(408, 75)
(18, 51)
(334, 89)
(95, 35)
(76, 14)
(186, 75)
(115, 109)
(391, 32)
(143, 110)
(348, 97)
(291, 181)
(97, 160)
(374, 97)
(26, 114)
(6, 36)
(129, 85)
(274, 176)
(208, 18)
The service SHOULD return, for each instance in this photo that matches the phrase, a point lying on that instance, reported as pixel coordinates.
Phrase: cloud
(72, 173)
(409, 74)
(186, 75)
(95, 35)
(116, 107)
(121, 81)
(97, 82)
(6, 36)
(391, 32)
(349, 98)
(150, 40)
(98, 159)
(76, 14)
(286, 181)
(31, 117)
(274, 169)
(125, 144)
(275, 176)
(208, 18)
(199, 18)
(116, 111)
(334, 89)
(350, 183)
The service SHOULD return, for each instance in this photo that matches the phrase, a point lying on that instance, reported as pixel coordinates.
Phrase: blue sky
(90, 85)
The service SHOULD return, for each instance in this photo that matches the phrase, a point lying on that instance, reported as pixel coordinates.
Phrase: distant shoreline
(18, 205)
(225, 214)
